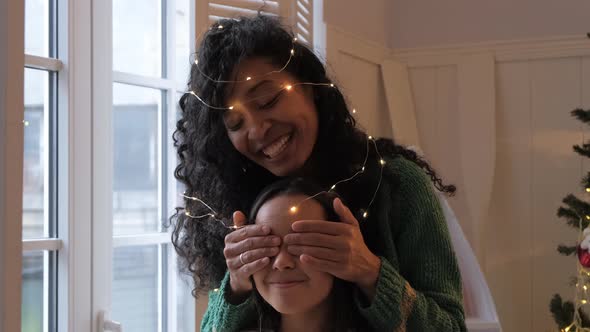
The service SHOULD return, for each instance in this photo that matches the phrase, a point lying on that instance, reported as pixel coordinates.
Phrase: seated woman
(290, 296)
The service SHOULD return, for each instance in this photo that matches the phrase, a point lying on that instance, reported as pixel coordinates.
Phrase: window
(151, 52)
(41, 241)
(101, 84)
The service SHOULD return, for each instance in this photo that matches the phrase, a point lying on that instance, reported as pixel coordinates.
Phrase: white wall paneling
(509, 151)
(355, 66)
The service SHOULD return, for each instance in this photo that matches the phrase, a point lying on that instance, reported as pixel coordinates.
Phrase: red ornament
(584, 257)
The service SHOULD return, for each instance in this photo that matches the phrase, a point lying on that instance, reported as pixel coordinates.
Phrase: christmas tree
(570, 316)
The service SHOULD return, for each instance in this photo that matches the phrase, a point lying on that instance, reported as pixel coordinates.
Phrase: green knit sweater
(419, 284)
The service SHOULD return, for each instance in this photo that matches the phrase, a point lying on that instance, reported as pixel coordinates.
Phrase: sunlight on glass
(37, 27)
(136, 165)
(35, 154)
(137, 37)
(135, 288)
(185, 304)
(33, 302)
(182, 52)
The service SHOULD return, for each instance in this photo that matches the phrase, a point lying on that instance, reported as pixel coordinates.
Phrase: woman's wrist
(368, 283)
(237, 293)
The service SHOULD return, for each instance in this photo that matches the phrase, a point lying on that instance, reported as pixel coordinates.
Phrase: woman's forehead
(250, 72)
(277, 213)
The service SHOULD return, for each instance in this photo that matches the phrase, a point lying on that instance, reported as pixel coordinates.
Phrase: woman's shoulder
(407, 172)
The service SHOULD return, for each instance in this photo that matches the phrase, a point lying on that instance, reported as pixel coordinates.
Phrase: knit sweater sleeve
(425, 293)
(223, 316)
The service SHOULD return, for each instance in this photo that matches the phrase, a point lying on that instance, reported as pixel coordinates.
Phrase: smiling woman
(260, 107)
(268, 127)
(290, 295)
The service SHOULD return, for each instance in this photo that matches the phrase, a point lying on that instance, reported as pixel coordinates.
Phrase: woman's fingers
(235, 249)
(317, 252)
(321, 226)
(314, 239)
(246, 232)
(249, 269)
(252, 256)
(344, 213)
(323, 265)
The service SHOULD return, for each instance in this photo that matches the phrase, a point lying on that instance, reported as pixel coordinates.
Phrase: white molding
(503, 51)
(102, 159)
(140, 240)
(42, 244)
(400, 103)
(38, 62)
(12, 37)
(74, 168)
(340, 41)
(144, 81)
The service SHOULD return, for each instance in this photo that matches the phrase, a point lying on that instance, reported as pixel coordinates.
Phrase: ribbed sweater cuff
(229, 316)
(384, 311)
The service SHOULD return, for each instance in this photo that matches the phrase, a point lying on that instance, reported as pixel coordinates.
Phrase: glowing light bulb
(370, 137)
(584, 301)
(288, 87)
(216, 290)
(588, 190)
(231, 107)
(585, 287)
(332, 84)
(293, 209)
(196, 62)
(365, 214)
(333, 187)
(295, 39)
(26, 123)
(248, 78)
(382, 162)
(353, 111)
(292, 51)
(363, 169)
(220, 27)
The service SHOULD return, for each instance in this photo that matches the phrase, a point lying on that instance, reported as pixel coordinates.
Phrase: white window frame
(102, 237)
(73, 219)
(85, 243)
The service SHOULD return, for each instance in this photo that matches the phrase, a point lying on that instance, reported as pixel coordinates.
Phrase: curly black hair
(212, 169)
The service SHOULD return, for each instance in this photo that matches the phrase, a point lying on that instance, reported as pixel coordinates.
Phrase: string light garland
(295, 208)
(288, 87)
(583, 280)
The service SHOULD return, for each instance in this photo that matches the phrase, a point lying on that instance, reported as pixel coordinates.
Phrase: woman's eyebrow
(256, 86)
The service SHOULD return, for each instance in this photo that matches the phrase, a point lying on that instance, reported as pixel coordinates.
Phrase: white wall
(361, 18)
(420, 23)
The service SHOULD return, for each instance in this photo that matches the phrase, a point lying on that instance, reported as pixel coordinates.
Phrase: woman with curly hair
(262, 108)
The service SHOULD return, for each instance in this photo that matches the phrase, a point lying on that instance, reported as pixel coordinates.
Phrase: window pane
(137, 37)
(136, 147)
(35, 154)
(183, 19)
(33, 302)
(37, 27)
(185, 304)
(135, 288)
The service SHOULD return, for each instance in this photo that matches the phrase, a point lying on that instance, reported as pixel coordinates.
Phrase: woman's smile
(274, 150)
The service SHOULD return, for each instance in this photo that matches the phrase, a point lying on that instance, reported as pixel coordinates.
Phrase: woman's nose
(284, 260)
(258, 128)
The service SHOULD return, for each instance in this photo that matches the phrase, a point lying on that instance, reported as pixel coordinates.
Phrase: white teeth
(277, 147)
